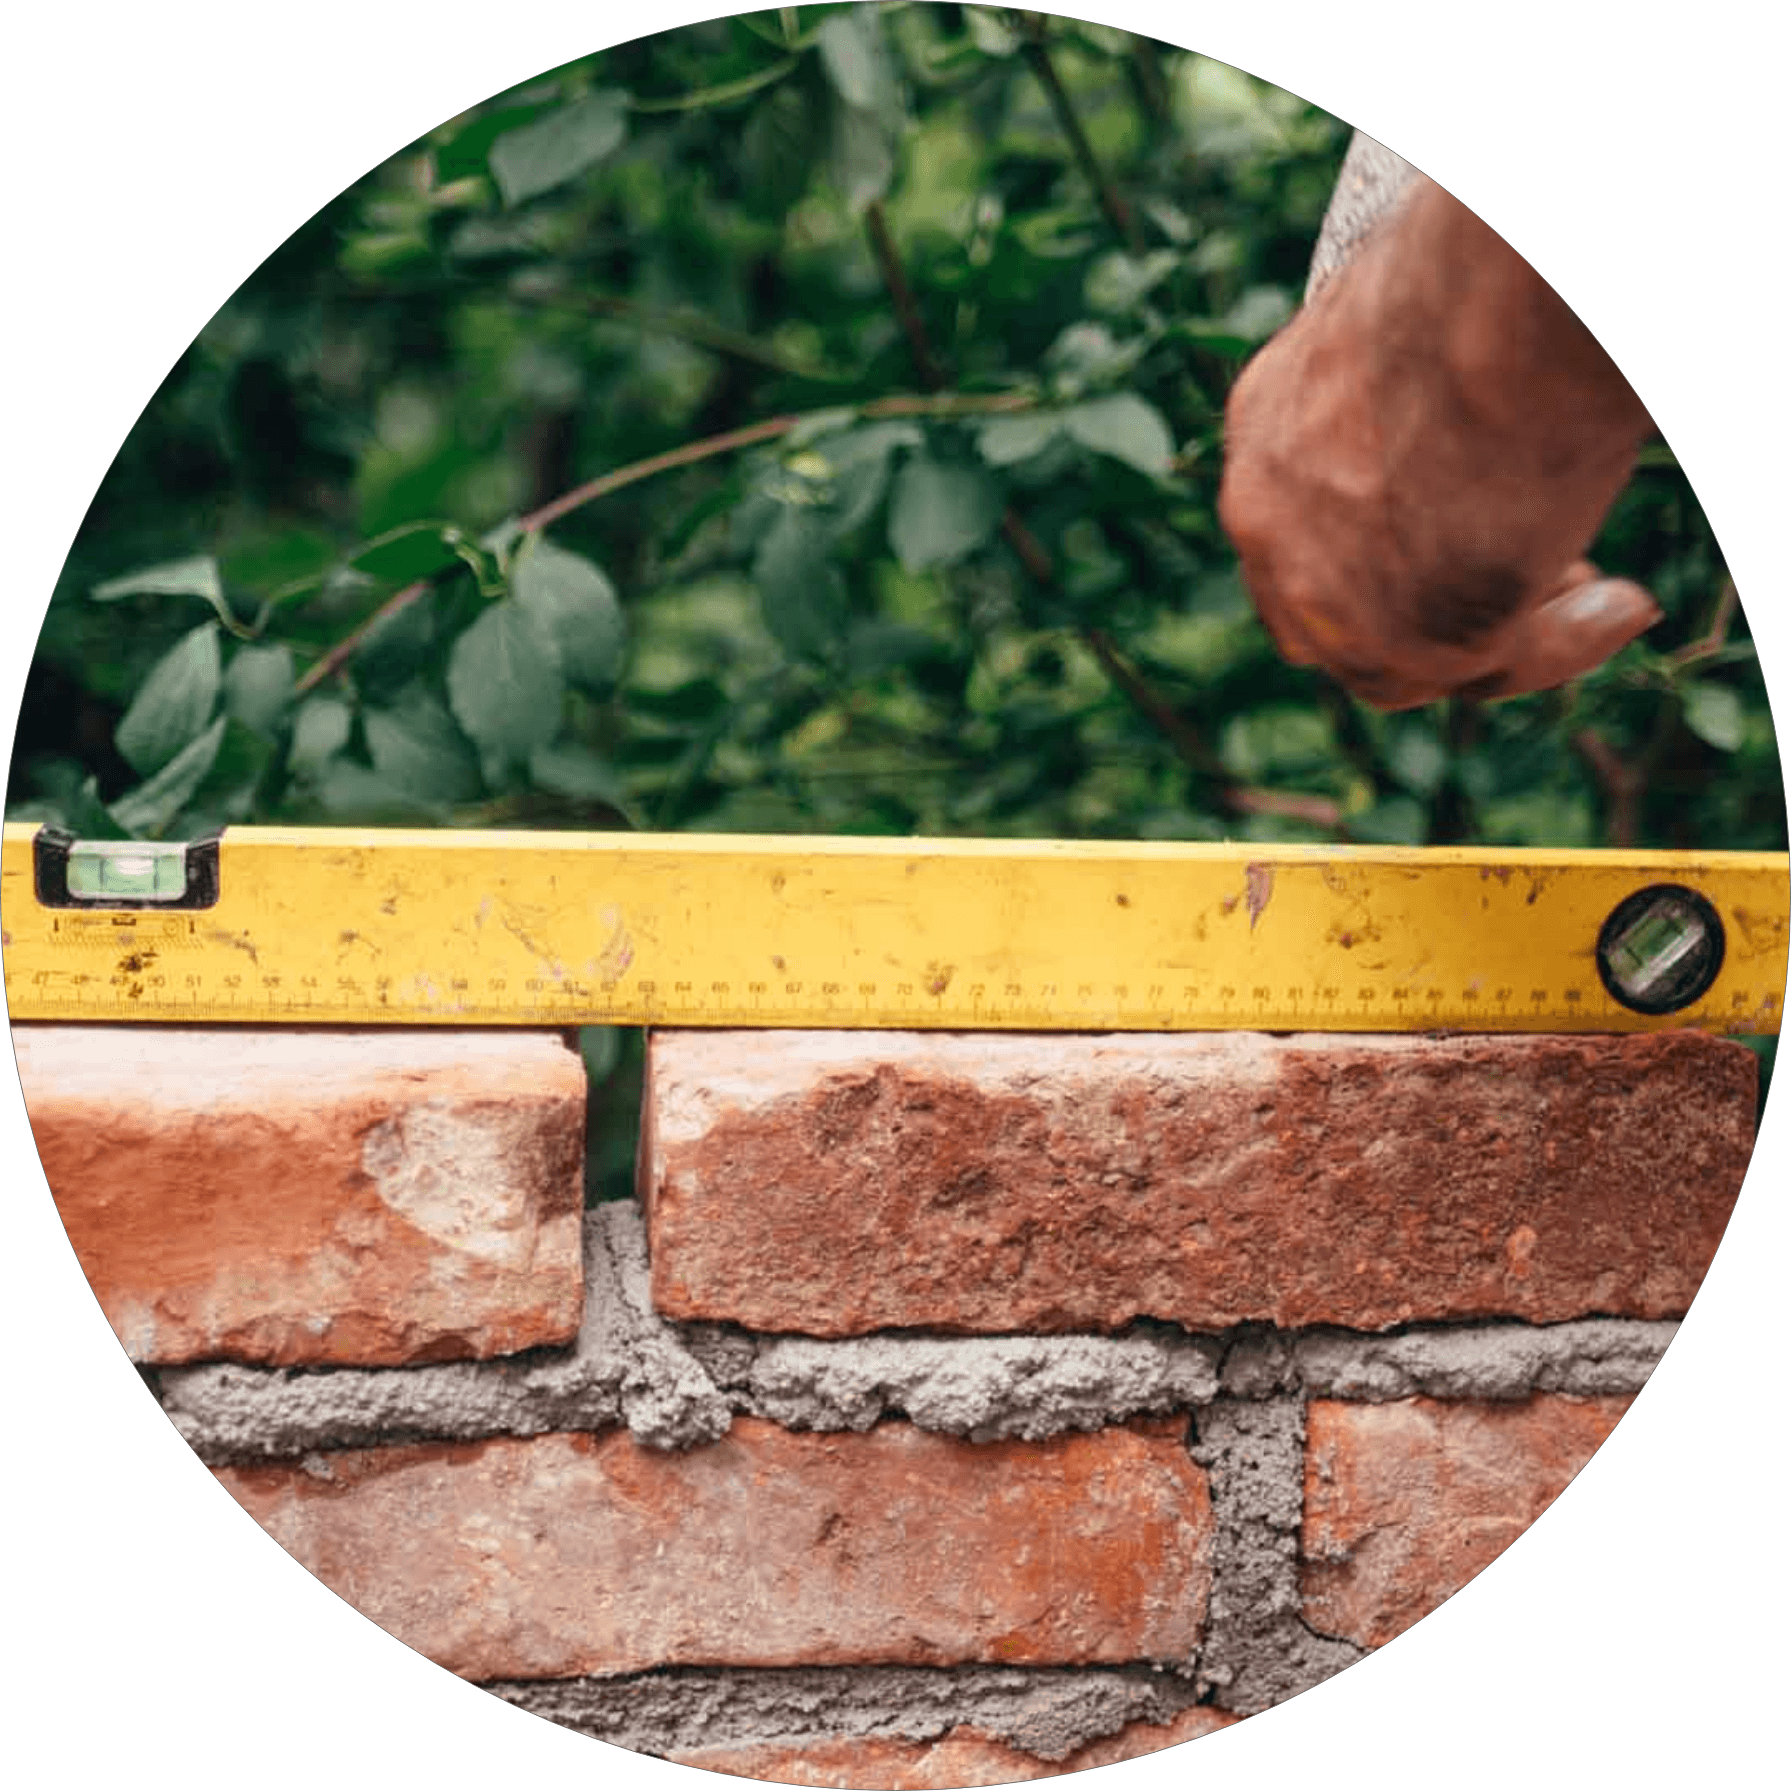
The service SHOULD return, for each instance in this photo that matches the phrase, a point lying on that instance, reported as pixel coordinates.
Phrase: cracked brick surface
(301, 1196)
(579, 1554)
(840, 1183)
(1406, 1502)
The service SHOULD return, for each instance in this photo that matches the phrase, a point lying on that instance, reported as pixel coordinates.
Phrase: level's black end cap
(50, 848)
(202, 871)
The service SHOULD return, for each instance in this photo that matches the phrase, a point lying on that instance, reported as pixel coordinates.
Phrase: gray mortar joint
(678, 1385)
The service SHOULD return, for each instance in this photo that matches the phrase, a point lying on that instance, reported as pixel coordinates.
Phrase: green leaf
(990, 32)
(416, 748)
(1109, 40)
(568, 769)
(1258, 314)
(1417, 757)
(258, 686)
(1060, 234)
(940, 512)
(1395, 821)
(576, 604)
(67, 799)
(1278, 739)
(1087, 354)
(320, 730)
(869, 441)
(781, 35)
(1124, 427)
(350, 794)
(1716, 715)
(851, 46)
(468, 151)
(544, 154)
(848, 59)
(232, 788)
(1540, 818)
(1482, 773)
(1225, 250)
(876, 647)
(802, 590)
(174, 703)
(1118, 282)
(194, 577)
(839, 480)
(1226, 114)
(504, 683)
(779, 147)
(145, 811)
(1211, 334)
(854, 495)
(862, 162)
(723, 93)
(1003, 440)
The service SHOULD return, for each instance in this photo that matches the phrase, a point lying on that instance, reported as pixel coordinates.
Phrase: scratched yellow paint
(343, 926)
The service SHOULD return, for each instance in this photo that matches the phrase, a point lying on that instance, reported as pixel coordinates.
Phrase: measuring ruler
(337, 926)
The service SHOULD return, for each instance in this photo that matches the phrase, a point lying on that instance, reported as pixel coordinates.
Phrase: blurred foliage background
(803, 422)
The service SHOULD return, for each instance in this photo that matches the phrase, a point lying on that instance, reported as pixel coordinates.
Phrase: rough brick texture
(587, 1554)
(964, 1757)
(1406, 1502)
(298, 1196)
(841, 1183)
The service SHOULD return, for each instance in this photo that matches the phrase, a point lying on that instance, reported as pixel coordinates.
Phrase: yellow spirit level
(335, 926)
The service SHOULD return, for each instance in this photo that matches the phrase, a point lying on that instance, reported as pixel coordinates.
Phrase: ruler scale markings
(349, 927)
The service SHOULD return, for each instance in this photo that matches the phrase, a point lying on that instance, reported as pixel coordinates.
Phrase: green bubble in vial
(127, 871)
(1655, 945)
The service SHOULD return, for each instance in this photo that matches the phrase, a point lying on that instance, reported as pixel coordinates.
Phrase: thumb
(1573, 630)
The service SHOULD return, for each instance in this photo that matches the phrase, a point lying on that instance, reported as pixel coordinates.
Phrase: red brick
(298, 1196)
(966, 1756)
(838, 1183)
(575, 1554)
(1406, 1502)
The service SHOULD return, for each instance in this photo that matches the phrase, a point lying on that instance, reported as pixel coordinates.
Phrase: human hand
(1416, 464)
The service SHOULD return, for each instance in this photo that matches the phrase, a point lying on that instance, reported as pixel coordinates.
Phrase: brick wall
(948, 1410)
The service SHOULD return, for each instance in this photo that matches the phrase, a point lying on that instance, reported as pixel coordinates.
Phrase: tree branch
(944, 404)
(1237, 798)
(1622, 783)
(1716, 636)
(901, 295)
(1120, 217)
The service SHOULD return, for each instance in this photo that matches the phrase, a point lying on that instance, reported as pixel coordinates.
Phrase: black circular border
(1708, 970)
